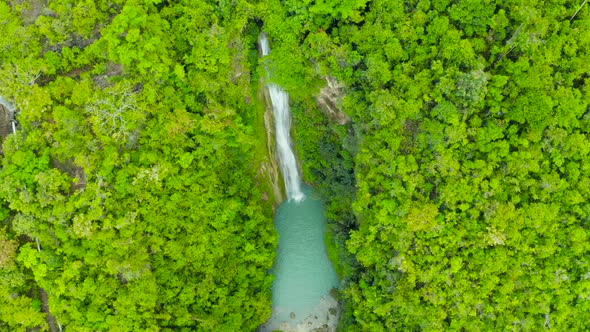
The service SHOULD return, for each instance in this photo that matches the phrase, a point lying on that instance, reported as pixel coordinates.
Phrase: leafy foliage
(471, 204)
(470, 128)
(132, 167)
(457, 194)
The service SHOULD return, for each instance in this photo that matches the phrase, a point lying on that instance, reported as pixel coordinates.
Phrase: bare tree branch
(577, 11)
(110, 112)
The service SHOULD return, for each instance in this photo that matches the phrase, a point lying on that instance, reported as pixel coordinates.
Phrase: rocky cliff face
(328, 99)
(5, 126)
(270, 166)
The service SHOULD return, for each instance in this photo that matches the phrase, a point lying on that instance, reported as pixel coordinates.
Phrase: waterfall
(280, 108)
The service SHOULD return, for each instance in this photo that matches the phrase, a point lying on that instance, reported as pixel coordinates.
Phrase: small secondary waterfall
(280, 109)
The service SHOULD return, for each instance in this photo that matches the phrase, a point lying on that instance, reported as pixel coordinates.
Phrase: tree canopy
(133, 168)
(132, 199)
(471, 129)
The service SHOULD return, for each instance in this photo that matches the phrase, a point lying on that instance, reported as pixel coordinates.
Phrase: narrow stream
(302, 297)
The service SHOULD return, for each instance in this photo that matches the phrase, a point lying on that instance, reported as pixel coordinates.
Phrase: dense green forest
(457, 187)
(133, 168)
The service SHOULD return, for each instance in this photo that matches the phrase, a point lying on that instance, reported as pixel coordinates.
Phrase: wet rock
(5, 126)
(334, 293)
(269, 168)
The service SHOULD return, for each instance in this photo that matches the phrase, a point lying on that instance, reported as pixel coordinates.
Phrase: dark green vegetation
(457, 195)
(472, 123)
(132, 167)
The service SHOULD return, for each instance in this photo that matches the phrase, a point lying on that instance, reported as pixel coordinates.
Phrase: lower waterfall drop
(280, 108)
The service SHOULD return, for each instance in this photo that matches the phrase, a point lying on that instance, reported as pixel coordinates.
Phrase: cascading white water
(304, 276)
(280, 108)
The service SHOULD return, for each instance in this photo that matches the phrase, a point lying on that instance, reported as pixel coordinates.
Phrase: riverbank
(327, 150)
